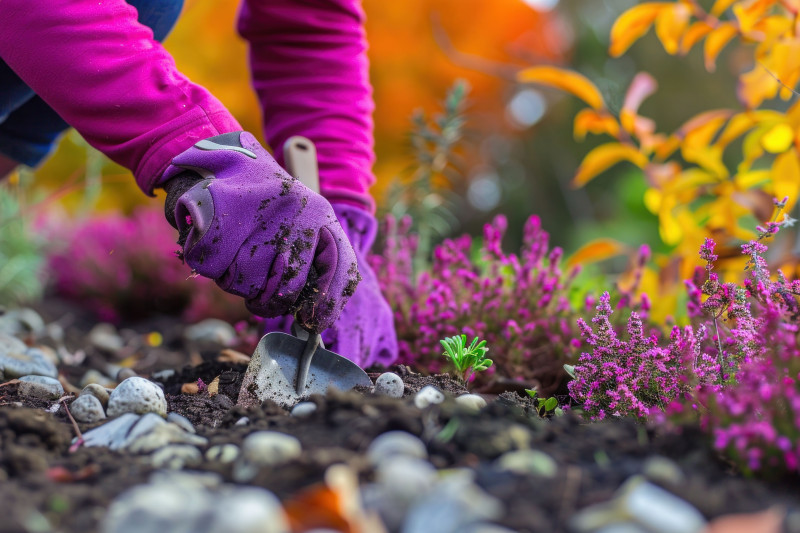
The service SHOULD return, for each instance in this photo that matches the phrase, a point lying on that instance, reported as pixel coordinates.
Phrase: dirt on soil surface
(46, 487)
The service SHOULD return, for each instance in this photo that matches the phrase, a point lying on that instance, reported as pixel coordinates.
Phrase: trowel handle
(303, 366)
(300, 159)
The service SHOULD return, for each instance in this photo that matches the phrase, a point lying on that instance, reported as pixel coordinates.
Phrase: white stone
(162, 435)
(429, 395)
(242, 421)
(137, 395)
(658, 510)
(405, 477)
(304, 409)
(97, 377)
(177, 457)
(474, 402)
(247, 510)
(528, 462)
(17, 360)
(112, 433)
(41, 387)
(182, 422)
(212, 331)
(393, 443)
(223, 453)
(87, 408)
(389, 384)
(98, 391)
(104, 337)
(21, 322)
(262, 449)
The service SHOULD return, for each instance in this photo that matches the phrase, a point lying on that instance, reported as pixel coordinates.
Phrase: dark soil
(41, 479)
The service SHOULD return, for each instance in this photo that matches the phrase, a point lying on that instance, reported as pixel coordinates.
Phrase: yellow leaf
(566, 80)
(778, 138)
(597, 122)
(786, 177)
(701, 128)
(716, 41)
(633, 24)
(696, 31)
(741, 123)
(667, 147)
(669, 229)
(597, 250)
(652, 200)
(720, 6)
(671, 23)
(747, 180)
(748, 15)
(603, 157)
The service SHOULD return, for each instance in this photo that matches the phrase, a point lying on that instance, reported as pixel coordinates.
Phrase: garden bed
(47, 487)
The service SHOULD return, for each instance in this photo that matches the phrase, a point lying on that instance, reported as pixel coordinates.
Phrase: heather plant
(466, 359)
(518, 303)
(125, 268)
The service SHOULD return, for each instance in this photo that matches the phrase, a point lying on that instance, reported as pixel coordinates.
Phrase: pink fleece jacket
(101, 70)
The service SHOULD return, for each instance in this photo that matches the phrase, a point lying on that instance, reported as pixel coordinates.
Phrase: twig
(779, 80)
(80, 441)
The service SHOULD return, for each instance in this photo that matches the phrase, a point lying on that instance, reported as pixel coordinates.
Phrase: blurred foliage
(20, 252)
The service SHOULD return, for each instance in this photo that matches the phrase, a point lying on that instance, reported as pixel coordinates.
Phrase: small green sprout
(547, 407)
(466, 359)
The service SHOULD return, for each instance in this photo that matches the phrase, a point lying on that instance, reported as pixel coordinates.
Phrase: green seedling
(466, 359)
(547, 407)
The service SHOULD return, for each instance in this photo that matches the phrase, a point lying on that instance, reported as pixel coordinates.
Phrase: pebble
(528, 462)
(393, 443)
(98, 391)
(405, 477)
(112, 433)
(145, 425)
(105, 337)
(177, 457)
(17, 360)
(22, 322)
(87, 408)
(663, 471)
(389, 384)
(41, 387)
(304, 409)
(182, 422)
(186, 508)
(428, 395)
(163, 375)
(224, 453)
(264, 448)
(162, 435)
(211, 331)
(98, 378)
(473, 402)
(242, 421)
(137, 395)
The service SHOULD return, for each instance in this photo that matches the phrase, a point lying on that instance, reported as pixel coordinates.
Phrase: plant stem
(719, 349)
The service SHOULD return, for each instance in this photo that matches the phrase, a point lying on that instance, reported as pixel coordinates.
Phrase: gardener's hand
(365, 331)
(258, 232)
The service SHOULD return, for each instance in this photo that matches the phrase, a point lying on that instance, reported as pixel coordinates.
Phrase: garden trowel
(286, 368)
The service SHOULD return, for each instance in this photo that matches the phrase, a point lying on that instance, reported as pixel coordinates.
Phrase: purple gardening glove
(259, 232)
(365, 331)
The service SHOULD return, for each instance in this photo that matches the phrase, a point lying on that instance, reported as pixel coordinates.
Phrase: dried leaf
(190, 388)
(566, 80)
(597, 250)
(633, 24)
(604, 157)
(597, 122)
(213, 387)
(671, 24)
(232, 356)
(716, 41)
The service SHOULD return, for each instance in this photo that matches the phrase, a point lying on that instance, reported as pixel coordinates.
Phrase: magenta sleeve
(310, 70)
(101, 70)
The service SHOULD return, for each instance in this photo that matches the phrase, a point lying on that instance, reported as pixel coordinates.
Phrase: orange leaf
(603, 157)
(716, 41)
(597, 250)
(701, 129)
(597, 122)
(720, 6)
(671, 24)
(749, 15)
(696, 31)
(316, 507)
(566, 80)
(633, 24)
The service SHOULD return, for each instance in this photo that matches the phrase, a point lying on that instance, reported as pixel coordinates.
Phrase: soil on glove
(42, 481)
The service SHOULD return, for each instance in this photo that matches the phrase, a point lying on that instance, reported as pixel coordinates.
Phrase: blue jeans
(29, 127)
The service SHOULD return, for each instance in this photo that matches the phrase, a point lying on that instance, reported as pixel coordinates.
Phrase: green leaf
(570, 370)
(551, 403)
(532, 392)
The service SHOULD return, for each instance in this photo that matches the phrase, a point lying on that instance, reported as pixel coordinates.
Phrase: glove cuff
(359, 226)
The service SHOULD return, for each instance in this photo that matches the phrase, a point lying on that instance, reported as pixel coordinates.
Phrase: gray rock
(95, 376)
(16, 360)
(663, 471)
(474, 402)
(304, 409)
(242, 421)
(389, 384)
(393, 443)
(162, 435)
(41, 387)
(406, 478)
(428, 395)
(98, 391)
(211, 331)
(263, 449)
(528, 462)
(182, 422)
(106, 338)
(190, 479)
(137, 395)
(145, 425)
(22, 322)
(223, 453)
(177, 457)
(87, 408)
(111, 434)
(180, 507)
(163, 375)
